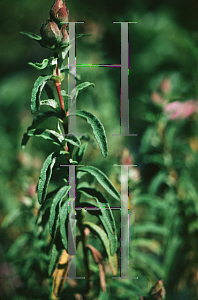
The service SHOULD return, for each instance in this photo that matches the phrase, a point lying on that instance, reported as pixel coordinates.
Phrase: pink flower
(59, 12)
(166, 85)
(126, 158)
(157, 99)
(181, 110)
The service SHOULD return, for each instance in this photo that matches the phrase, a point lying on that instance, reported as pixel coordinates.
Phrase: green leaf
(173, 253)
(36, 92)
(151, 244)
(97, 127)
(53, 211)
(50, 102)
(148, 263)
(91, 191)
(56, 78)
(32, 35)
(103, 236)
(47, 134)
(149, 135)
(42, 117)
(160, 178)
(80, 153)
(43, 215)
(154, 159)
(61, 58)
(47, 202)
(45, 176)
(77, 89)
(46, 173)
(106, 216)
(149, 199)
(63, 217)
(55, 255)
(71, 70)
(73, 139)
(102, 179)
(40, 66)
(80, 35)
(73, 162)
(151, 228)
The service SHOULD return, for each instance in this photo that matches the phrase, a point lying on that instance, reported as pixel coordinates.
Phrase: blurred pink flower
(181, 110)
(126, 158)
(166, 85)
(157, 99)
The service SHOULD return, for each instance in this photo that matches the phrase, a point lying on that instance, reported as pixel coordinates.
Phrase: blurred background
(162, 69)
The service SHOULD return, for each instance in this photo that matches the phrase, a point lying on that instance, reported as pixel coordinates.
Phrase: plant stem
(58, 88)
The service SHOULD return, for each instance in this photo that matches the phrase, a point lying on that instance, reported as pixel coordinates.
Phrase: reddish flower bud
(50, 32)
(59, 12)
(65, 34)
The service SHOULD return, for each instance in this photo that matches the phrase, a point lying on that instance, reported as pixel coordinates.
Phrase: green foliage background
(162, 44)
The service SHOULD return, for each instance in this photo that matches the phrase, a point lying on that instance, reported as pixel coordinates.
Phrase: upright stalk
(58, 88)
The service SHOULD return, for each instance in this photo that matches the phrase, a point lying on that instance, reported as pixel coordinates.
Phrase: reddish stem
(58, 88)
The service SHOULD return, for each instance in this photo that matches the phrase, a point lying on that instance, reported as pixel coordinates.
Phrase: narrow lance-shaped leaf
(73, 139)
(103, 214)
(45, 176)
(97, 127)
(80, 153)
(80, 35)
(106, 216)
(150, 227)
(47, 134)
(47, 203)
(41, 118)
(36, 92)
(50, 102)
(46, 173)
(32, 35)
(102, 235)
(102, 179)
(63, 217)
(109, 225)
(151, 200)
(40, 66)
(53, 211)
(55, 254)
(74, 93)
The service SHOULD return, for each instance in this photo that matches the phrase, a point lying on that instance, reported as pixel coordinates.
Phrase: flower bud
(59, 12)
(65, 34)
(50, 32)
